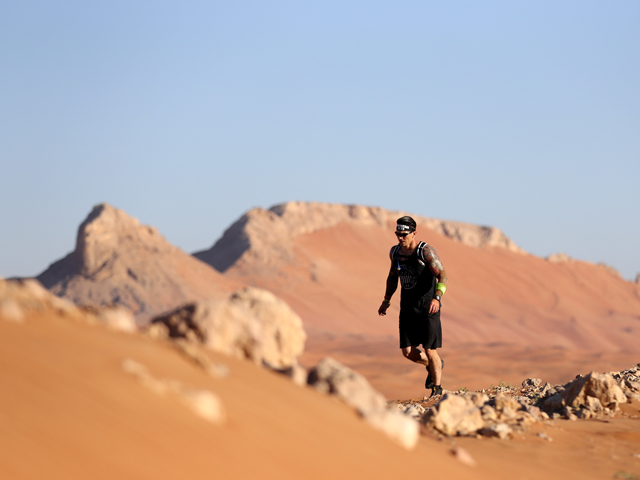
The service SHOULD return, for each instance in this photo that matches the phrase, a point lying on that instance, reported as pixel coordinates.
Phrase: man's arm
(392, 286)
(436, 267)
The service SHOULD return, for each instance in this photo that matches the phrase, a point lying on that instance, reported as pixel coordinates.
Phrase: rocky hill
(119, 261)
(262, 241)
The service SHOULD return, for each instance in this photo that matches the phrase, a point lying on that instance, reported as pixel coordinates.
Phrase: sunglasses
(402, 235)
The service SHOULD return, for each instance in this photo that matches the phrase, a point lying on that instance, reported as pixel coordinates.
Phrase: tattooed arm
(436, 267)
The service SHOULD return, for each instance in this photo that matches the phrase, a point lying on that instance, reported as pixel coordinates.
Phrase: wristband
(442, 287)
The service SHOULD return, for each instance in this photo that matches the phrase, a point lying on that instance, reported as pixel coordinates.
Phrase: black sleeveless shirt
(417, 281)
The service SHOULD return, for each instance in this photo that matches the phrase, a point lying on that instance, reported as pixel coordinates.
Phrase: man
(423, 281)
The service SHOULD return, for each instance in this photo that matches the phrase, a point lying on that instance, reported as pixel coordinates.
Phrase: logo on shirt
(408, 277)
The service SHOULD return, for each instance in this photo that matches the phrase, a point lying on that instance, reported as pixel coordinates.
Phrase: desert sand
(68, 410)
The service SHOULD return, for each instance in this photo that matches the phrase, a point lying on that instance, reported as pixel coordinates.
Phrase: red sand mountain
(119, 261)
(330, 262)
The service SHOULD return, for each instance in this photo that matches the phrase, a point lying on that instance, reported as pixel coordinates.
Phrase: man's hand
(383, 309)
(434, 306)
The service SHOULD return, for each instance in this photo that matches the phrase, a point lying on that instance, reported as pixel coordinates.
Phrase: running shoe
(436, 391)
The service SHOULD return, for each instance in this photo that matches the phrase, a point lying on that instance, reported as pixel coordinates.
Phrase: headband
(403, 228)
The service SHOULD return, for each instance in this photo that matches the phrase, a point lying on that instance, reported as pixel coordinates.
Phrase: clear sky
(524, 115)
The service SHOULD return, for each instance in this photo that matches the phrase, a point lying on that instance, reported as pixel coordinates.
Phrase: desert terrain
(71, 409)
(70, 399)
(507, 315)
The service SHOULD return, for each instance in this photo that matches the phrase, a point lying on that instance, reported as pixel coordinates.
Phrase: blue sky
(521, 115)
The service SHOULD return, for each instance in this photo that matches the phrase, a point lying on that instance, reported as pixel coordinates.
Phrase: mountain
(263, 240)
(119, 261)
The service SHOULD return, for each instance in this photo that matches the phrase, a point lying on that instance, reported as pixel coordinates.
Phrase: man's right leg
(416, 355)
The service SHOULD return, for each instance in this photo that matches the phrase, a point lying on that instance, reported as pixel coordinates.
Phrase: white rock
(397, 426)
(205, 404)
(10, 310)
(330, 376)
(455, 415)
(251, 323)
(414, 411)
(118, 318)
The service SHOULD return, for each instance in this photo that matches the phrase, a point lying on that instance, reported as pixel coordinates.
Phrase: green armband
(442, 287)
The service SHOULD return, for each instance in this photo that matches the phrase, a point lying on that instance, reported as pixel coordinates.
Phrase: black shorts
(419, 327)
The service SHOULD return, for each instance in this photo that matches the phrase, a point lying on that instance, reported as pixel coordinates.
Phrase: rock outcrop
(262, 239)
(117, 261)
(590, 395)
(333, 378)
(559, 258)
(477, 413)
(21, 298)
(506, 411)
(251, 323)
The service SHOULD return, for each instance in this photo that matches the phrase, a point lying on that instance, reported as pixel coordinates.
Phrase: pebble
(544, 436)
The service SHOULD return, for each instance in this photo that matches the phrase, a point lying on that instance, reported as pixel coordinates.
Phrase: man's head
(405, 228)
(405, 225)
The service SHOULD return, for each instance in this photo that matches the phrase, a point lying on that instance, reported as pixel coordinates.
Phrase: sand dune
(69, 410)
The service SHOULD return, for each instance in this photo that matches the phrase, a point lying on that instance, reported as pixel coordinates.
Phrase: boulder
(455, 415)
(594, 392)
(333, 378)
(531, 382)
(632, 386)
(506, 406)
(547, 390)
(478, 399)
(489, 414)
(414, 411)
(330, 376)
(601, 386)
(593, 405)
(251, 323)
(400, 428)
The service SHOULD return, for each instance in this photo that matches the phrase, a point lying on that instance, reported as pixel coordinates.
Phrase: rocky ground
(199, 394)
(501, 410)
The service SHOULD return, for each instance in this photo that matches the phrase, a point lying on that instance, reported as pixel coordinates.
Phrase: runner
(423, 281)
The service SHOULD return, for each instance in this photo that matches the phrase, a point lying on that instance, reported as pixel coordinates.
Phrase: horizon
(523, 117)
